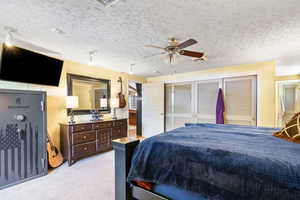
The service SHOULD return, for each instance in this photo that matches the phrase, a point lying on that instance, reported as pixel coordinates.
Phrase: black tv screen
(22, 65)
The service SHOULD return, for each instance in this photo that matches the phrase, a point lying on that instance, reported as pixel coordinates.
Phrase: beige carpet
(88, 179)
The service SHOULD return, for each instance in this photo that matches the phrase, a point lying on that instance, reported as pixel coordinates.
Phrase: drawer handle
(85, 148)
(82, 128)
(84, 137)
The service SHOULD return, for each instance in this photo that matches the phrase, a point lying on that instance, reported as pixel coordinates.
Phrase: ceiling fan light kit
(175, 49)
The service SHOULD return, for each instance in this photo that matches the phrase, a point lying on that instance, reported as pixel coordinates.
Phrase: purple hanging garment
(220, 108)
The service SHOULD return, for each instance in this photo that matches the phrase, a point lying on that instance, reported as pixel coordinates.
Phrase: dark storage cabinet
(84, 139)
(23, 154)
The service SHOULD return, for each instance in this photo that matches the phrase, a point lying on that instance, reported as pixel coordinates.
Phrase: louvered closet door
(207, 94)
(183, 105)
(240, 100)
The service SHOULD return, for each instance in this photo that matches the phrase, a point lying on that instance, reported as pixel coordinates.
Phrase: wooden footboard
(124, 148)
(142, 194)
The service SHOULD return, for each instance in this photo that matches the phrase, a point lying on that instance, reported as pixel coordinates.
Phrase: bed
(219, 162)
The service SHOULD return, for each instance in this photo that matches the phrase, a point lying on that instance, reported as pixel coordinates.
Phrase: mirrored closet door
(196, 101)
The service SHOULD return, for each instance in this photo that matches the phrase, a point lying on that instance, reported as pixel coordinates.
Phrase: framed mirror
(92, 94)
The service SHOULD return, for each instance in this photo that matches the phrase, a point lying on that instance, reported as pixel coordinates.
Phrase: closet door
(207, 94)
(182, 104)
(240, 100)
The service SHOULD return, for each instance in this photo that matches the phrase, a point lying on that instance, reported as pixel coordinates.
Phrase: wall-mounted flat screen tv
(25, 66)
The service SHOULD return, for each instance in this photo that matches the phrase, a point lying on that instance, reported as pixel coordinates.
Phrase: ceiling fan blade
(33, 47)
(187, 43)
(192, 53)
(204, 58)
(153, 55)
(154, 46)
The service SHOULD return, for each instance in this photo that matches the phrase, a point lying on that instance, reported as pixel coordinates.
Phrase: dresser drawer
(120, 123)
(82, 127)
(104, 131)
(79, 138)
(102, 125)
(104, 135)
(118, 132)
(81, 150)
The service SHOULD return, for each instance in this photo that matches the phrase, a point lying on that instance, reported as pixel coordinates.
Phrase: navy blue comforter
(223, 162)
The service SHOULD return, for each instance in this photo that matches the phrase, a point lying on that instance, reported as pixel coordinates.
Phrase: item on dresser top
(80, 140)
(114, 102)
(96, 116)
(55, 158)
(103, 102)
(71, 103)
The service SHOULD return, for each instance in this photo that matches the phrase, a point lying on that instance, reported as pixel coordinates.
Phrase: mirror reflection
(92, 93)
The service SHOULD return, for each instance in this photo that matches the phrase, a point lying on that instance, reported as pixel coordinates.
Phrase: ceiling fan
(175, 49)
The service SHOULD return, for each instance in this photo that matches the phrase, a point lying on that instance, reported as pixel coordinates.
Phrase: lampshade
(103, 102)
(114, 102)
(72, 102)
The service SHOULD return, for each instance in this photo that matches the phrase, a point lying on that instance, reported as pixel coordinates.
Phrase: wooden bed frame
(124, 148)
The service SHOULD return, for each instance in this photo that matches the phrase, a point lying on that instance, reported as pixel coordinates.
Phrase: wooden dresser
(84, 139)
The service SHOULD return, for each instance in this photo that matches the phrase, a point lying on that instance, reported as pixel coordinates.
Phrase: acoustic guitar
(55, 158)
(122, 101)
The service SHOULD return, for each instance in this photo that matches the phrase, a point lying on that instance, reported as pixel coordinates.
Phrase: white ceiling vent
(107, 2)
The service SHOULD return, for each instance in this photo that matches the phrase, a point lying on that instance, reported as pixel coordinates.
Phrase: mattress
(224, 162)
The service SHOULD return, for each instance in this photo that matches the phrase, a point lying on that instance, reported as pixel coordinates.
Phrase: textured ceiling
(230, 32)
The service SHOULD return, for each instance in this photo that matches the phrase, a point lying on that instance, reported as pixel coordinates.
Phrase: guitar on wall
(55, 158)
(122, 101)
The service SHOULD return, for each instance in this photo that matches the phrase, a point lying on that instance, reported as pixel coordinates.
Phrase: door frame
(139, 110)
(278, 84)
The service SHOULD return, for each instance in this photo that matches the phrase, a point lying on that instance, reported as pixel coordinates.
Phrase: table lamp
(71, 103)
(103, 102)
(114, 103)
